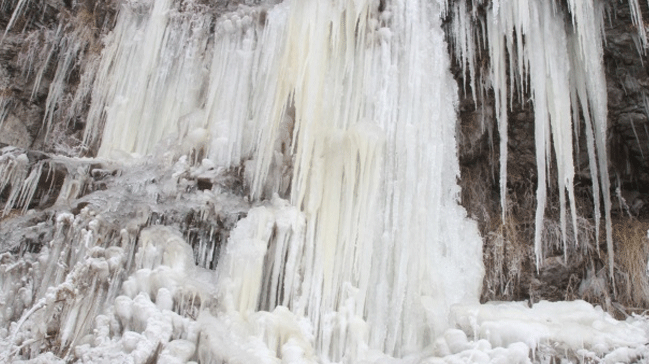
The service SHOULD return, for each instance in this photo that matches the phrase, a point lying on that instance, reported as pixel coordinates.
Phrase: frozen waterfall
(278, 184)
(338, 108)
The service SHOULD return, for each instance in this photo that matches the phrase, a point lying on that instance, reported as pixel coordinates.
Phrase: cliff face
(49, 57)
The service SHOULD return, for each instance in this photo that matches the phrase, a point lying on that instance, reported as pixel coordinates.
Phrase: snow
(330, 230)
(575, 326)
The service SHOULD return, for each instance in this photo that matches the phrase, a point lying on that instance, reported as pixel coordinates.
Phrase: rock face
(49, 52)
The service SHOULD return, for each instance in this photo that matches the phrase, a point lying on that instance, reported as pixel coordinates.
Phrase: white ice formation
(278, 184)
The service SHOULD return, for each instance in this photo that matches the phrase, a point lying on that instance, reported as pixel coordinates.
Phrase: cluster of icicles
(560, 67)
(350, 246)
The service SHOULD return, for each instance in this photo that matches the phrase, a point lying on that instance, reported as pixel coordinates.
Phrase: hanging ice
(336, 120)
(549, 59)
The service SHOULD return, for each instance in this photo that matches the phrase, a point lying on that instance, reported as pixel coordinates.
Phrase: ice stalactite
(638, 22)
(589, 81)
(465, 45)
(547, 62)
(14, 171)
(533, 50)
(71, 47)
(5, 105)
(36, 181)
(18, 11)
(65, 48)
(19, 179)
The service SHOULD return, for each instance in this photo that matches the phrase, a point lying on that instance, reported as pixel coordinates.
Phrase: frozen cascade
(280, 188)
(347, 95)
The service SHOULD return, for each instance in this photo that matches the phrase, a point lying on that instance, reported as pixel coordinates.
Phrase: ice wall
(347, 111)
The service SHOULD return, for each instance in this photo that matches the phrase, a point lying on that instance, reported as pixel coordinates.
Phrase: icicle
(5, 105)
(542, 140)
(361, 141)
(636, 17)
(18, 11)
(589, 27)
(497, 56)
(20, 179)
(635, 133)
(44, 57)
(84, 89)
(579, 84)
(465, 43)
(645, 103)
(70, 47)
(348, 111)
